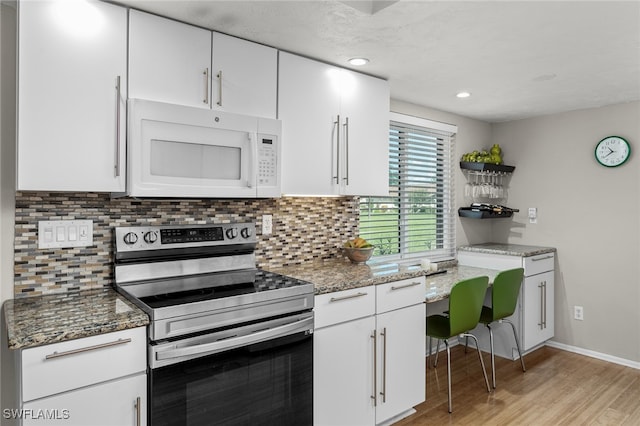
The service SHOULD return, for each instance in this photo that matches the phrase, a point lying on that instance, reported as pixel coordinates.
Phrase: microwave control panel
(267, 160)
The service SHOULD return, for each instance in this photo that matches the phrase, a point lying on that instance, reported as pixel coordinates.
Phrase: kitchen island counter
(338, 274)
(41, 320)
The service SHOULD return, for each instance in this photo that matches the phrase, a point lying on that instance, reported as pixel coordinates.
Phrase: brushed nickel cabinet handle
(346, 150)
(87, 349)
(337, 176)
(206, 85)
(540, 324)
(544, 300)
(384, 365)
(351, 296)
(117, 162)
(138, 412)
(375, 368)
(219, 88)
(536, 259)
(400, 287)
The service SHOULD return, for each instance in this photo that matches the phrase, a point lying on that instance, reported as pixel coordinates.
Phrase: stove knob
(151, 237)
(232, 233)
(245, 232)
(130, 238)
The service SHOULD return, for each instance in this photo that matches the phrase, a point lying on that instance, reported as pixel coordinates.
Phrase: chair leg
(484, 372)
(446, 343)
(435, 361)
(466, 343)
(493, 359)
(515, 335)
(429, 351)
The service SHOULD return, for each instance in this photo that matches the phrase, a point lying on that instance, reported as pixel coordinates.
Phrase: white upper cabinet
(335, 127)
(169, 61)
(244, 76)
(365, 104)
(72, 82)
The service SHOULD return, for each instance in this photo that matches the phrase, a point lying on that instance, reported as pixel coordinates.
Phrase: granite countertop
(337, 275)
(507, 249)
(439, 286)
(41, 320)
(340, 274)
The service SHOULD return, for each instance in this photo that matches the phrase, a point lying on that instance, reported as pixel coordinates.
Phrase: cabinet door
(401, 365)
(245, 76)
(538, 308)
(343, 376)
(169, 61)
(71, 109)
(308, 105)
(110, 403)
(365, 111)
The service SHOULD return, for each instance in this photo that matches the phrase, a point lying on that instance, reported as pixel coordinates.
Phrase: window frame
(446, 199)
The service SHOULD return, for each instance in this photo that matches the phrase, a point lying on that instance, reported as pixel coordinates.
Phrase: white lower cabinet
(119, 402)
(343, 382)
(98, 380)
(369, 365)
(534, 315)
(538, 323)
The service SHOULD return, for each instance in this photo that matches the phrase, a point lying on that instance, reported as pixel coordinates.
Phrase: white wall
(472, 134)
(590, 213)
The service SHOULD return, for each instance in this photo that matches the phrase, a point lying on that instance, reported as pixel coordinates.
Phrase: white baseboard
(594, 354)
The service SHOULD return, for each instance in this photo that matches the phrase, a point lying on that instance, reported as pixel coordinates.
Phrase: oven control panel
(137, 238)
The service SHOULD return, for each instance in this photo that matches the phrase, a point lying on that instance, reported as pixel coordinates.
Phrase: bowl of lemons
(357, 250)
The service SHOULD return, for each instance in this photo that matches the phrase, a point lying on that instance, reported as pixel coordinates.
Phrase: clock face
(612, 151)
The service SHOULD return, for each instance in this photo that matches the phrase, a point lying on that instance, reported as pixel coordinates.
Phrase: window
(417, 219)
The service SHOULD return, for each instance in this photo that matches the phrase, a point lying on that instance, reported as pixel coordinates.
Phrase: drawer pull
(351, 296)
(400, 287)
(535, 259)
(87, 349)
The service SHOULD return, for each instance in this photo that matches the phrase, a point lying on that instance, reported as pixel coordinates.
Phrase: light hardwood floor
(558, 388)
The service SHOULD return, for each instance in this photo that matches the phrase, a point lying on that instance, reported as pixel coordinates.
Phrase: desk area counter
(439, 286)
(507, 249)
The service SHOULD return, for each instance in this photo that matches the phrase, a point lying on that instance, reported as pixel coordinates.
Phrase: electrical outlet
(533, 215)
(578, 313)
(267, 224)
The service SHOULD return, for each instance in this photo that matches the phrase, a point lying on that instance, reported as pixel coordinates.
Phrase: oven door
(256, 374)
(179, 151)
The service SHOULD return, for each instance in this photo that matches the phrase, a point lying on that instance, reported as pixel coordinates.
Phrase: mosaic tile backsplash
(304, 229)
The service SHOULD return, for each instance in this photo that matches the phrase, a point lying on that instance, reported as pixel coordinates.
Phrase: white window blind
(417, 219)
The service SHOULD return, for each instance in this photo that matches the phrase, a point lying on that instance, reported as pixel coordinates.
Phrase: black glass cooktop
(219, 286)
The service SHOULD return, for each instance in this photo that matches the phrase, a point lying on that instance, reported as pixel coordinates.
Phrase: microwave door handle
(253, 153)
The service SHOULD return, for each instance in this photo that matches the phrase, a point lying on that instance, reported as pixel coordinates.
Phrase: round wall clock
(612, 151)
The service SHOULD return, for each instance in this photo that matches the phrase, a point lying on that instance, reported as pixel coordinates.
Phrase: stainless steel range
(228, 343)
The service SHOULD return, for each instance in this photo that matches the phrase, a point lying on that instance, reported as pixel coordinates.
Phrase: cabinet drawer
(398, 294)
(59, 367)
(341, 306)
(537, 264)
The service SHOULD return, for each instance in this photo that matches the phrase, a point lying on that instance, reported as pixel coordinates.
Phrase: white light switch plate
(65, 233)
(267, 224)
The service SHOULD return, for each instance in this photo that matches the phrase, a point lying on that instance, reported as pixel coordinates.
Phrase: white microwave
(180, 151)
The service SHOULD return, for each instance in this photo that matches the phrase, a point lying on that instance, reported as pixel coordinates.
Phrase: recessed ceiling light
(358, 61)
(463, 94)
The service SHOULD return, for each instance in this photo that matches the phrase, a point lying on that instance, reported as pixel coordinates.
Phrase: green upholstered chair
(504, 297)
(465, 306)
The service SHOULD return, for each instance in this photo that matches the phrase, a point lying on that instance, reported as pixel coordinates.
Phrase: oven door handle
(237, 342)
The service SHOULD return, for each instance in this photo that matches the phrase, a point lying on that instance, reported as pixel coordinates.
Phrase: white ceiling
(518, 58)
